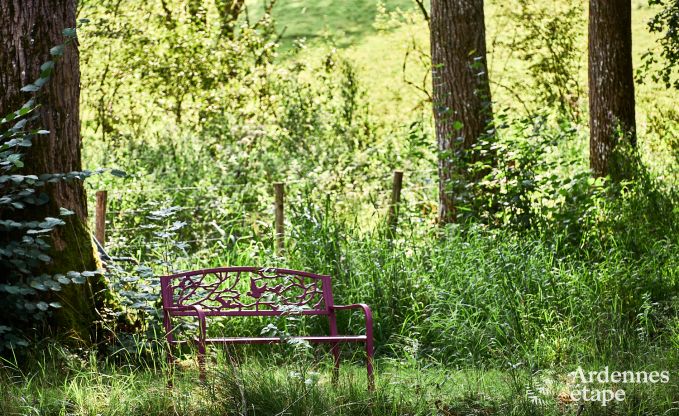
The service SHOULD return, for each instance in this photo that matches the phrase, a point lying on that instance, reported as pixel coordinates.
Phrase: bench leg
(169, 340)
(336, 366)
(170, 366)
(201, 361)
(332, 320)
(369, 364)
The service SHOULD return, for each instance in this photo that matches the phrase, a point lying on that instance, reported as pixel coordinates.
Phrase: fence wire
(378, 199)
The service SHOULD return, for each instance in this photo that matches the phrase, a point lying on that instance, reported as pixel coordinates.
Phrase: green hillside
(344, 22)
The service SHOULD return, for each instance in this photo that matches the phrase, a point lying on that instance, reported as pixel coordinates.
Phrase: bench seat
(275, 340)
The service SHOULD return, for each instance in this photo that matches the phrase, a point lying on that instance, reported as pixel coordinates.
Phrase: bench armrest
(200, 313)
(368, 317)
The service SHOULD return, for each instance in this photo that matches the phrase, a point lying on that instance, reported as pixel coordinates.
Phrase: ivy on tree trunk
(462, 101)
(29, 31)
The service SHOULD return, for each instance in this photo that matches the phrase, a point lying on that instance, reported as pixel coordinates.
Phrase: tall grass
(471, 295)
(59, 382)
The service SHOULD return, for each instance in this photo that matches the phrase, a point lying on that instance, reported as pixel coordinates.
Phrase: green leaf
(41, 81)
(57, 50)
(62, 279)
(42, 306)
(119, 173)
(8, 118)
(457, 125)
(69, 32)
(51, 222)
(28, 106)
(30, 88)
(20, 124)
(76, 277)
(43, 198)
(41, 231)
(53, 286)
(55, 305)
(37, 285)
(47, 66)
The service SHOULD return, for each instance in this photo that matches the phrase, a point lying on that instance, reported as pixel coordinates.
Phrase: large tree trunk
(28, 29)
(462, 104)
(611, 84)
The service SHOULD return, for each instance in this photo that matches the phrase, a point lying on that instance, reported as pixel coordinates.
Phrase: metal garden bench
(252, 291)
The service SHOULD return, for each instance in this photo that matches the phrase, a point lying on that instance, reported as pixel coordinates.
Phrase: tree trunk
(28, 29)
(462, 102)
(611, 84)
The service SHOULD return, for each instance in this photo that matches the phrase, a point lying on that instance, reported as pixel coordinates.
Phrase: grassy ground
(342, 23)
(63, 383)
(468, 323)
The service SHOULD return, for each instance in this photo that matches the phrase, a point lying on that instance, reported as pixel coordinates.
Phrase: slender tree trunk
(611, 84)
(28, 29)
(462, 102)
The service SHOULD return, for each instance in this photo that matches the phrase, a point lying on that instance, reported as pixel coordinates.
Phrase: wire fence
(132, 228)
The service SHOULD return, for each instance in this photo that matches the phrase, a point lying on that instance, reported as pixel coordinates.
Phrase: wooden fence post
(279, 192)
(395, 199)
(100, 218)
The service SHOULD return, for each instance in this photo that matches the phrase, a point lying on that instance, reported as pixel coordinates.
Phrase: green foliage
(521, 174)
(24, 240)
(548, 35)
(185, 69)
(662, 66)
(244, 114)
(138, 287)
(535, 222)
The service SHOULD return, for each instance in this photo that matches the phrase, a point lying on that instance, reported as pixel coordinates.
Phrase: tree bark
(28, 29)
(611, 84)
(462, 101)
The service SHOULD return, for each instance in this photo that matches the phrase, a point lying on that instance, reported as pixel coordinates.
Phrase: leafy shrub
(661, 65)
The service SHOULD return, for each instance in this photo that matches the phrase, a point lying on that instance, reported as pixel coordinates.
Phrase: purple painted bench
(252, 291)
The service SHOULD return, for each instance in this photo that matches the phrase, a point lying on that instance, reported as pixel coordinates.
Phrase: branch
(425, 14)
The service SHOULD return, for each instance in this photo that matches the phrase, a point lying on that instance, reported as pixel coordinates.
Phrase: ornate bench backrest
(233, 291)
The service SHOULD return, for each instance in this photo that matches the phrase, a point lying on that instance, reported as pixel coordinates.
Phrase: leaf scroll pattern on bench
(257, 290)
